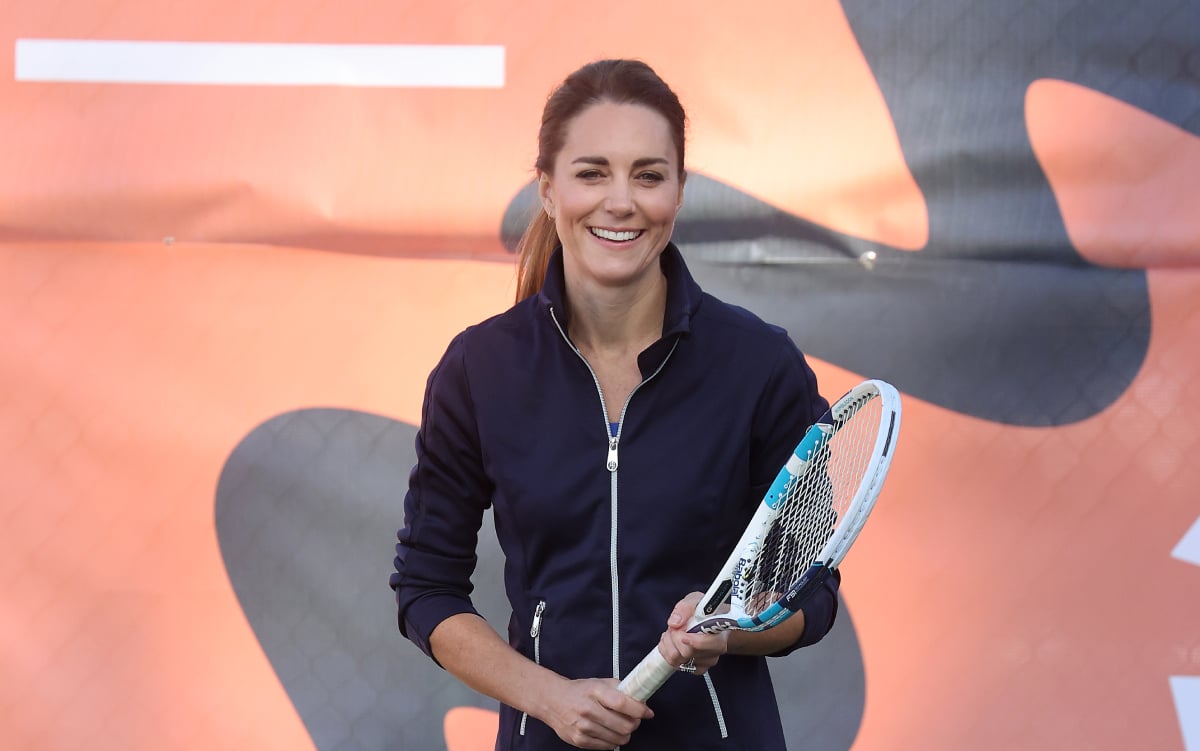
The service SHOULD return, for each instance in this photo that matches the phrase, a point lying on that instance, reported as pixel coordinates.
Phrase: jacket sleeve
(789, 405)
(447, 495)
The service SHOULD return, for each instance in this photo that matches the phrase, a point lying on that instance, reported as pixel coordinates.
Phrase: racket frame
(649, 675)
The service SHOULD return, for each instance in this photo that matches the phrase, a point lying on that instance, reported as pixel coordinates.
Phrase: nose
(619, 198)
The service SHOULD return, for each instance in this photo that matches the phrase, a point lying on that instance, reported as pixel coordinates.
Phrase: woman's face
(614, 192)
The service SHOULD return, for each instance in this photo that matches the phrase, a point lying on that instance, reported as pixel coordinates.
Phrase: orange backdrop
(180, 264)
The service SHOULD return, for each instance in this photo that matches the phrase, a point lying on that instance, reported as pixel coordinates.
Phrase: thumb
(683, 611)
(677, 619)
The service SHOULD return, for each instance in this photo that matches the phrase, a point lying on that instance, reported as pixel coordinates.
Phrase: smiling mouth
(621, 236)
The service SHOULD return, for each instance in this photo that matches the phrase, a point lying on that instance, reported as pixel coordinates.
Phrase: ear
(546, 193)
(679, 198)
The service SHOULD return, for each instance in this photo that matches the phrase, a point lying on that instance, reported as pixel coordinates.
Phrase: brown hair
(618, 81)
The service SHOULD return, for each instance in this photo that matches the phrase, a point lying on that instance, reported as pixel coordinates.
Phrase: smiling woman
(616, 82)
(613, 193)
(609, 332)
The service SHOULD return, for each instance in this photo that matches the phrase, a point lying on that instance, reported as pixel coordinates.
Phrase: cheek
(662, 209)
(572, 204)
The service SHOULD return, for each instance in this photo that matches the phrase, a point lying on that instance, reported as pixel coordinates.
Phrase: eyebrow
(645, 161)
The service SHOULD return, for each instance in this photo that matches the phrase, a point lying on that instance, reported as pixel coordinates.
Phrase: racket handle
(649, 676)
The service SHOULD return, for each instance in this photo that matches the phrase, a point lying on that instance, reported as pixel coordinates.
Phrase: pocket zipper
(536, 632)
(716, 703)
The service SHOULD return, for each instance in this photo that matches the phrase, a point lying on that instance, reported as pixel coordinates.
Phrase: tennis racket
(806, 523)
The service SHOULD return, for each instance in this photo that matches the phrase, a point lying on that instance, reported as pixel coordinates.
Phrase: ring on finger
(689, 666)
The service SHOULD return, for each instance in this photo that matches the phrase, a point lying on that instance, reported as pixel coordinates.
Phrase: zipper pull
(612, 454)
(536, 628)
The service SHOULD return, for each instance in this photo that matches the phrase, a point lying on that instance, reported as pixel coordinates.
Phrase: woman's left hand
(683, 649)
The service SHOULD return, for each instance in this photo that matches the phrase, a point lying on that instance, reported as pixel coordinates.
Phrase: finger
(609, 729)
(706, 644)
(595, 727)
(679, 615)
(596, 736)
(619, 702)
(684, 610)
(672, 647)
(705, 650)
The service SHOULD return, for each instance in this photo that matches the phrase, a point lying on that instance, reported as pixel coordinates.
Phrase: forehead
(618, 132)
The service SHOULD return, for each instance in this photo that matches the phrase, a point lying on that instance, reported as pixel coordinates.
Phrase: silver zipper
(536, 629)
(611, 464)
(712, 693)
(536, 632)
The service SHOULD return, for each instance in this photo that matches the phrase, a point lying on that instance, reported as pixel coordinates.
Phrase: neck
(618, 318)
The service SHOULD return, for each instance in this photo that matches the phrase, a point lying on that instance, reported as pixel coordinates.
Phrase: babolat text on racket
(803, 528)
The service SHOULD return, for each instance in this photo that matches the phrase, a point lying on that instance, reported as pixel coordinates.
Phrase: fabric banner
(236, 237)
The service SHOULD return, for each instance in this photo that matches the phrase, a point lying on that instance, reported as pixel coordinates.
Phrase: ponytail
(534, 251)
(617, 81)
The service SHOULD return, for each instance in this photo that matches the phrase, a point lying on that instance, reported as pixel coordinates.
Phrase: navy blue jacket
(604, 535)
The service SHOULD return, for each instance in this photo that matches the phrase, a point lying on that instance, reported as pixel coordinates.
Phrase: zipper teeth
(595, 380)
(712, 692)
(647, 379)
(613, 441)
(535, 631)
(616, 609)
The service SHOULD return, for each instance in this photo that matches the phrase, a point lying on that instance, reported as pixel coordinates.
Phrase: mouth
(618, 236)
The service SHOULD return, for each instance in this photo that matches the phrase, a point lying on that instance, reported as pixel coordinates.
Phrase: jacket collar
(683, 294)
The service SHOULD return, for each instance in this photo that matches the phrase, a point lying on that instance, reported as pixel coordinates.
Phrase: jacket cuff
(820, 611)
(421, 617)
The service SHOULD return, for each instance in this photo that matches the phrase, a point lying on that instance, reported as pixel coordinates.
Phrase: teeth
(605, 234)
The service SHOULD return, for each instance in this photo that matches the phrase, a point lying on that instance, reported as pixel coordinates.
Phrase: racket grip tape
(649, 676)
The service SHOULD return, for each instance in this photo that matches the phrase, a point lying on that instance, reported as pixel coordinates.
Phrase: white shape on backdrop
(1188, 548)
(1186, 689)
(270, 64)
(1187, 705)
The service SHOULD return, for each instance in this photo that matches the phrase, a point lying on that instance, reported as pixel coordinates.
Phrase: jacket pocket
(535, 631)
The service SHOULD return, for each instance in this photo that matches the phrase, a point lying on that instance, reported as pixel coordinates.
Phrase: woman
(699, 402)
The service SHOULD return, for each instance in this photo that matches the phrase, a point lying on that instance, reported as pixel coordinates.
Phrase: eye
(650, 177)
(589, 174)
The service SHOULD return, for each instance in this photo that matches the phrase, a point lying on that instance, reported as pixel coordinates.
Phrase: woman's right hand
(592, 713)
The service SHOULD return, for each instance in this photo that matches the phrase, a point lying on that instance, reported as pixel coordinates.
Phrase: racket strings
(814, 507)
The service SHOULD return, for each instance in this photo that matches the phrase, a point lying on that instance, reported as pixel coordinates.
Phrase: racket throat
(717, 598)
(805, 586)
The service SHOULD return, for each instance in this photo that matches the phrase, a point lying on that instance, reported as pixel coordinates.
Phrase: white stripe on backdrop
(245, 64)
